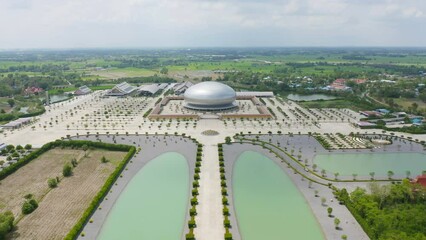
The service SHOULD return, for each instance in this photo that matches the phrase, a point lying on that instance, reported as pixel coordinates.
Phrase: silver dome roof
(210, 95)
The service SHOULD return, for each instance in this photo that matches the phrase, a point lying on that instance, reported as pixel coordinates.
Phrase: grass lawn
(405, 103)
(338, 103)
(115, 73)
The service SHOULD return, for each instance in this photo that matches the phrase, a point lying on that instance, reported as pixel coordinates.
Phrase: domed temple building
(212, 96)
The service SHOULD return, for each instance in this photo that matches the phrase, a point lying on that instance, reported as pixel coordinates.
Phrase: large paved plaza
(95, 114)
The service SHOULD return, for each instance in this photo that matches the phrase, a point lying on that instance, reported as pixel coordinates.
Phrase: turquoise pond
(310, 97)
(268, 205)
(379, 163)
(154, 203)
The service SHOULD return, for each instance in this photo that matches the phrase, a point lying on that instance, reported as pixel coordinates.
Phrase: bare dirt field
(59, 208)
(193, 74)
(123, 72)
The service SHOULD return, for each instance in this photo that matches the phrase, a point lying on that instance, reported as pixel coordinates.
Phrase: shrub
(190, 235)
(52, 182)
(194, 201)
(6, 223)
(226, 222)
(104, 160)
(224, 192)
(196, 176)
(193, 211)
(191, 223)
(28, 196)
(67, 170)
(34, 203)
(194, 192)
(29, 206)
(74, 162)
(225, 211)
(228, 235)
(223, 183)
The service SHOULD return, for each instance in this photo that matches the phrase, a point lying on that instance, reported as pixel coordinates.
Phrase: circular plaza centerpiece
(211, 95)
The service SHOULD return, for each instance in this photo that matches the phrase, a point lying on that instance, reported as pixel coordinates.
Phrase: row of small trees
(194, 200)
(225, 211)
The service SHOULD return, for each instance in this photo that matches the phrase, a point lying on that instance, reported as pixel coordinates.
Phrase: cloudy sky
(205, 23)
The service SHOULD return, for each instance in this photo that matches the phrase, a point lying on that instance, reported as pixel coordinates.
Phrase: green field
(338, 103)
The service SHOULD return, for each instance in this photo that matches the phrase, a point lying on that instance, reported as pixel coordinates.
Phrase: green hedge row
(10, 117)
(78, 227)
(323, 142)
(147, 113)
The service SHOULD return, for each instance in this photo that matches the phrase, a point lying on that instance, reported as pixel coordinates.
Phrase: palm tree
(408, 173)
(323, 200)
(323, 172)
(372, 175)
(354, 175)
(390, 174)
(337, 222)
(329, 210)
(336, 175)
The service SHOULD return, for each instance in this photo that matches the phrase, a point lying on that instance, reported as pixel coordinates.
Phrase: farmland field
(61, 207)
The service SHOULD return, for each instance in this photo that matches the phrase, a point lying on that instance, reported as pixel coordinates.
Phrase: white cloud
(147, 23)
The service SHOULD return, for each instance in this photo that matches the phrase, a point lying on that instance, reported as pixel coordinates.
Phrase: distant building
(83, 90)
(2, 146)
(339, 85)
(151, 89)
(365, 124)
(387, 81)
(360, 81)
(370, 113)
(420, 180)
(17, 123)
(399, 114)
(33, 90)
(122, 89)
(180, 88)
(383, 111)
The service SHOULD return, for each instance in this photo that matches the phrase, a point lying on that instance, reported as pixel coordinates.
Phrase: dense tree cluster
(6, 223)
(389, 212)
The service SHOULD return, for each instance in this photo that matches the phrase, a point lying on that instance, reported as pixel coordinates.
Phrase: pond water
(154, 203)
(58, 98)
(311, 97)
(379, 163)
(268, 204)
(24, 110)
